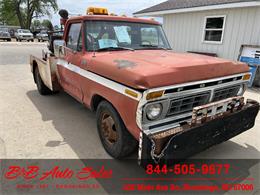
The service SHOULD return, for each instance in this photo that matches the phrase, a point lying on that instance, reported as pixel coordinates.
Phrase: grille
(186, 104)
(221, 94)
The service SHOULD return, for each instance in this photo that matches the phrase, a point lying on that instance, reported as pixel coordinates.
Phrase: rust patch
(200, 116)
(124, 64)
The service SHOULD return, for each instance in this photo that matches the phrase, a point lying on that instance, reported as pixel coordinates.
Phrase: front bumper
(156, 149)
(5, 37)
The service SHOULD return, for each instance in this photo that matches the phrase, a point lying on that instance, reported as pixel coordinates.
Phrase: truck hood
(145, 69)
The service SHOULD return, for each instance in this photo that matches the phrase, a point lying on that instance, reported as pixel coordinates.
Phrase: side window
(73, 36)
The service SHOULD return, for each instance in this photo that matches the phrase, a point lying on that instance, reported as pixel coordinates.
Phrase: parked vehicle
(23, 34)
(4, 34)
(171, 105)
(42, 36)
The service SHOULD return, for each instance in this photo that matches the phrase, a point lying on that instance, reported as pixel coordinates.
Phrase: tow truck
(169, 105)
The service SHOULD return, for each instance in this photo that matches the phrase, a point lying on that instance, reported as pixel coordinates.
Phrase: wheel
(9, 40)
(16, 39)
(115, 138)
(32, 40)
(39, 40)
(42, 88)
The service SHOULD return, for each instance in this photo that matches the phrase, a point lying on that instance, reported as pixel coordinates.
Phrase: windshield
(3, 29)
(102, 35)
(44, 32)
(24, 31)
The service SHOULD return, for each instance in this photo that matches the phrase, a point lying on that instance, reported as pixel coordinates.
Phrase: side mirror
(59, 48)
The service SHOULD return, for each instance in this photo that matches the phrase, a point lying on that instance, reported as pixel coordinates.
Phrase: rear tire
(121, 143)
(42, 88)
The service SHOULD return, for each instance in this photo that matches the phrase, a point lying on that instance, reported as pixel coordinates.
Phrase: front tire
(42, 88)
(115, 138)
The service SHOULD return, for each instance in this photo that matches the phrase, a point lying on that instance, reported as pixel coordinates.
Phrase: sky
(119, 7)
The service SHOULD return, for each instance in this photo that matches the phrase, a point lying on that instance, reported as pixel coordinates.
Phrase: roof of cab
(112, 18)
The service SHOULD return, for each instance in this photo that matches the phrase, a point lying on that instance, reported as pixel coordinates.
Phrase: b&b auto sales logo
(32, 172)
(59, 177)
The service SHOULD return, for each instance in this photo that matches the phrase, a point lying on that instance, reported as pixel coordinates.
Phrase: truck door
(73, 54)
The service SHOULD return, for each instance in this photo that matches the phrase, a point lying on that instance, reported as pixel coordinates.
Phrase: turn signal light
(154, 95)
(246, 77)
(131, 93)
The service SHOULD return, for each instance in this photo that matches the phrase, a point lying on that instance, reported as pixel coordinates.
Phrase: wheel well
(96, 99)
(34, 67)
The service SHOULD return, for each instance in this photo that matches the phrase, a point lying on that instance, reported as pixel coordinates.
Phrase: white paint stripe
(99, 79)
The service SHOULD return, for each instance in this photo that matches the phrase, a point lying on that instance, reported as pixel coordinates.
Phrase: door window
(74, 36)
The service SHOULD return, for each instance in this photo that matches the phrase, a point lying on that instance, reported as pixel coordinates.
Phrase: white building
(210, 26)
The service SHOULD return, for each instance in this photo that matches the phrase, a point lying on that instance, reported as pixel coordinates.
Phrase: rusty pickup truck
(169, 105)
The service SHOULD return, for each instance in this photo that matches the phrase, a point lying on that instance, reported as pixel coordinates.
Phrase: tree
(47, 24)
(7, 14)
(36, 24)
(26, 10)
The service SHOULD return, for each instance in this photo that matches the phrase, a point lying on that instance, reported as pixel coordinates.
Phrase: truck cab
(144, 94)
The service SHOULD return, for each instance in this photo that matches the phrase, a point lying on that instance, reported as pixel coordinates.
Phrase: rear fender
(47, 69)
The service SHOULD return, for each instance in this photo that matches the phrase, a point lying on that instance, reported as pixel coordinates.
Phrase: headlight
(241, 90)
(153, 111)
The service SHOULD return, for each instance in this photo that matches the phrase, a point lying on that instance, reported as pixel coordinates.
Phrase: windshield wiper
(115, 48)
(153, 47)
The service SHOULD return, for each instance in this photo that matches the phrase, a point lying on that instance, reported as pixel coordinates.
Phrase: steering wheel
(91, 40)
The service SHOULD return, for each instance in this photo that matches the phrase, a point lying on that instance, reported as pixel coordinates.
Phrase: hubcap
(109, 128)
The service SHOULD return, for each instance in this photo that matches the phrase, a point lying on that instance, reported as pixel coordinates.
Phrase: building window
(214, 29)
